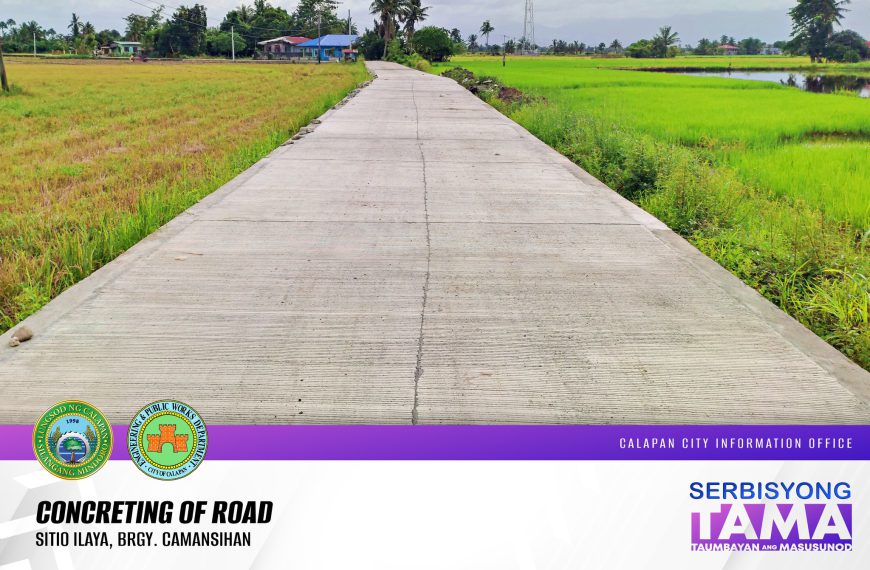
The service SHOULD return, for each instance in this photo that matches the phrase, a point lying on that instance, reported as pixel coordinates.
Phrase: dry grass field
(95, 157)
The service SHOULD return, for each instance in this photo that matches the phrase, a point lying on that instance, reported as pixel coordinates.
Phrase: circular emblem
(72, 439)
(167, 440)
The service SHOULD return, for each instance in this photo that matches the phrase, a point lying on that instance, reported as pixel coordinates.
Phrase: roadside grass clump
(96, 157)
(398, 54)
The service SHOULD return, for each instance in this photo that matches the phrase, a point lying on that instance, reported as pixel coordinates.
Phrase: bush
(221, 43)
(396, 53)
(371, 46)
(642, 48)
(847, 46)
(433, 43)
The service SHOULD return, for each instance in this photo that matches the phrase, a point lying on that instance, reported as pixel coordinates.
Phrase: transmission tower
(529, 25)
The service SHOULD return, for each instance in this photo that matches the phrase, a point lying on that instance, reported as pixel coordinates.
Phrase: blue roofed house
(332, 47)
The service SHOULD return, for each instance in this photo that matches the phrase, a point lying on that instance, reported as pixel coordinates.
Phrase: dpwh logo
(780, 516)
(167, 440)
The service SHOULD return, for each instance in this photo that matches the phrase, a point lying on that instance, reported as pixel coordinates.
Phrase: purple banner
(506, 442)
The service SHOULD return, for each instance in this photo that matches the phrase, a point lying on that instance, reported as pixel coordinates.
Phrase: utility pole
(34, 44)
(233, 34)
(348, 22)
(3, 81)
(504, 50)
(318, 39)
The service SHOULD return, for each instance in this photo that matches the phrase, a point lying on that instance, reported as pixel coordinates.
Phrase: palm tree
(486, 29)
(245, 14)
(664, 40)
(472, 42)
(615, 46)
(387, 11)
(413, 12)
(74, 25)
(88, 29)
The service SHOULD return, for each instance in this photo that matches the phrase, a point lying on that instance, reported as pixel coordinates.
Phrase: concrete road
(421, 258)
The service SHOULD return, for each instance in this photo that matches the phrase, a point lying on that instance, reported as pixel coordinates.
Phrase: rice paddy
(769, 180)
(95, 157)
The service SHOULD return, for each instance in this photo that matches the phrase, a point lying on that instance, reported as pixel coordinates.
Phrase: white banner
(408, 514)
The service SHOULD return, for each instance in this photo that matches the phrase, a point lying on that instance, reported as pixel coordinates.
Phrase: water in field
(814, 82)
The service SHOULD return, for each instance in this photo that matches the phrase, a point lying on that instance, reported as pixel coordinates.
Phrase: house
(728, 49)
(331, 47)
(120, 49)
(770, 50)
(283, 47)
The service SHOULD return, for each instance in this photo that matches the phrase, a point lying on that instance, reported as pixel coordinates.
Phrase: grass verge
(814, 268)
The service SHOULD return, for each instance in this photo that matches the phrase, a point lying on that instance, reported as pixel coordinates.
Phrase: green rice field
(771, 181)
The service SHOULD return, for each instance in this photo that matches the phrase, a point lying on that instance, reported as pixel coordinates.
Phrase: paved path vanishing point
(421, 258)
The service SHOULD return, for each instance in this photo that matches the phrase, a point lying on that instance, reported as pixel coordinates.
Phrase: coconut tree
(413, 13)
(75, 25)
(387, 11)
(486, 29)
(472, 42)
(664, 40)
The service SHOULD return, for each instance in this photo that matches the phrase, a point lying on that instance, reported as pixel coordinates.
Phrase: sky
(588, 21)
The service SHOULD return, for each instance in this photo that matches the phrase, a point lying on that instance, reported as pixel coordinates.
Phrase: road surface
(419, 258)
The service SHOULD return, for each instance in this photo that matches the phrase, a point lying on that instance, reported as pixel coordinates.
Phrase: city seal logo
(72, 440)
(167, 440)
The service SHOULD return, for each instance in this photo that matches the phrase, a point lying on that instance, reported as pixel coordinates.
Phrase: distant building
(284, 46)
(331, 46)
(120, 49)
(728, 49)
(770, 50)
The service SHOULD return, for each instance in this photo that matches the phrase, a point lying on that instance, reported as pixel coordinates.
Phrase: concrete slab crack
(418, 370)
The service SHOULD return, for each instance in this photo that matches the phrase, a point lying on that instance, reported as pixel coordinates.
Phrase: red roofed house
(728, 49)
(283, 47)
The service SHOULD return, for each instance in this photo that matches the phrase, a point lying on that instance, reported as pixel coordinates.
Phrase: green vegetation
(767, 180)
(433, 44)
(184, 33)
(813, 26)
(95, 157)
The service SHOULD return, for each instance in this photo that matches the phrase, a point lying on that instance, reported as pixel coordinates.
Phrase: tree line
(185, 32)
(394, 34)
